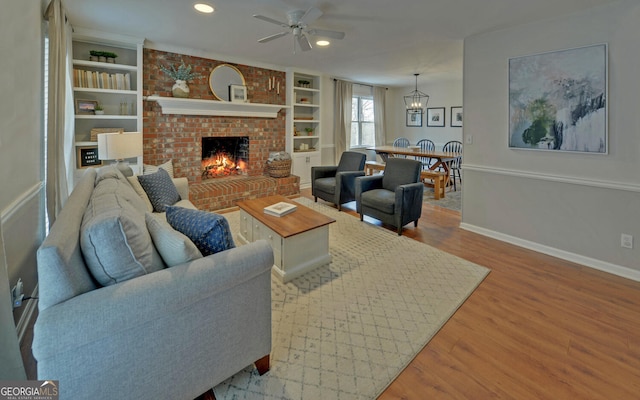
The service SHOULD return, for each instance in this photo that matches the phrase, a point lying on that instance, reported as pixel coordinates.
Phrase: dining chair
(426, 145)
(454, 146)
(401, 142)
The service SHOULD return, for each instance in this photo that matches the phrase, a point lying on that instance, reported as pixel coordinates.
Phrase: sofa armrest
(182, 184)
(324, 171)
(366, 183)
(408, 201)
(199, 323)
(104, 312)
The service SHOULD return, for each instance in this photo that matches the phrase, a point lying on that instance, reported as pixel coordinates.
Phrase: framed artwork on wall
(414, 118)
(456, 117)
(558, 100)
(435, 117)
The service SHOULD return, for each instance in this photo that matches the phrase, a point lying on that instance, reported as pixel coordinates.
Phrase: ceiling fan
(297, 25)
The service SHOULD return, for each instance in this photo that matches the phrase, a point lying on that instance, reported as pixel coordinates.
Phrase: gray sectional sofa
(167, 333)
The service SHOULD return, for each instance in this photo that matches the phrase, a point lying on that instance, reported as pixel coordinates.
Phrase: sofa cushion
(174, 247)
(115, 242)
(111, 181)
(160, 188)
(327, 185)
(150, 169)
(62, 271)
(137, 187)
(209, 231)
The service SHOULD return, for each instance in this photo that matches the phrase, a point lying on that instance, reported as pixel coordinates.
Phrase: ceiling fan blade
(273, 21)
(303, 42)
(326, 33)
(272, 37)
(311, 15)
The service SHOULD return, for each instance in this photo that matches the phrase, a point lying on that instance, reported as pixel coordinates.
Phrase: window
(362, 125)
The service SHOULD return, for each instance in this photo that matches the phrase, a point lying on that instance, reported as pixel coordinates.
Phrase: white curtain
(342, 116)
(60, 123)
(379, 121)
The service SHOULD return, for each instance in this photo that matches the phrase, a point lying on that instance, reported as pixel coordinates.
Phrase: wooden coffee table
(300, 240)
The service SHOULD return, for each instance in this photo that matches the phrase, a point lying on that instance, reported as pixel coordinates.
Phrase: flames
(222, 165)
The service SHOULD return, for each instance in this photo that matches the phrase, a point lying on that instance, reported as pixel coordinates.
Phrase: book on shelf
(101, 80)
(280, 209)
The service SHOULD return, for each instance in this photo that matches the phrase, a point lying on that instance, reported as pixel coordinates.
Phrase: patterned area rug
(346, 330)
(452, 200)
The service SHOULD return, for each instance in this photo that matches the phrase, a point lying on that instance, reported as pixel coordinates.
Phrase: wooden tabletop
(444, 156)
(301, 220)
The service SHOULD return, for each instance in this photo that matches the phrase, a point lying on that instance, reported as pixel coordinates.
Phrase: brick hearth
(220, 193)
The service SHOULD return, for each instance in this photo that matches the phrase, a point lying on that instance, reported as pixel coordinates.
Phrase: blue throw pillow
(208, 231)
(160, 189)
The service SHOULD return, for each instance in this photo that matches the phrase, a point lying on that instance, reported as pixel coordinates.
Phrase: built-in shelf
(104, 65)
(173, 105)
(105, 116)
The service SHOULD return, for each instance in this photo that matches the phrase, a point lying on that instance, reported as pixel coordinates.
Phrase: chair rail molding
(630, 187)
(173, 105)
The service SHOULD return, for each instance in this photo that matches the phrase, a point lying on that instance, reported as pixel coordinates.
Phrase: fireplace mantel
(173, 105)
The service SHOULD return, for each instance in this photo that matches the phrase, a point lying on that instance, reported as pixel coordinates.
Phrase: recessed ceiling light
(322, 42)
(203, 8)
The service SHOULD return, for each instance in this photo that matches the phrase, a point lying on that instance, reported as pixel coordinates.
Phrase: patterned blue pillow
(160, 189)
(208, 231)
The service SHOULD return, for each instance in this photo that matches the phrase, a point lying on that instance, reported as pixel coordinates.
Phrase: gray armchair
(337, 183)
(395, 198)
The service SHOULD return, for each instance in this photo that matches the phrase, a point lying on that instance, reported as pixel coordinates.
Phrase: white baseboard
(618, 270)
(30, 307)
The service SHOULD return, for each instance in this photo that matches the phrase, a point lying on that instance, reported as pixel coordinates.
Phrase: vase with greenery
(182, 75)
(99, 110)
(309, 131)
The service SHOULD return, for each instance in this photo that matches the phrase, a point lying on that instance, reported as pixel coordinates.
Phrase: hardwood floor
(537, 327)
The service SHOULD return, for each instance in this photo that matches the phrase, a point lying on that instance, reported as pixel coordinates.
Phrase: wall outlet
(16, 294)
(626, 241)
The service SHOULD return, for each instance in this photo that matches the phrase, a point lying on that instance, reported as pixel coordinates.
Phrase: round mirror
(221, 77)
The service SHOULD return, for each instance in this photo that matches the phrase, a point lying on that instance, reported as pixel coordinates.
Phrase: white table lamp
(118, 146)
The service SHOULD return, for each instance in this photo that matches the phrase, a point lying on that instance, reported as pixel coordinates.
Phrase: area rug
(346, 330)
(452, 200)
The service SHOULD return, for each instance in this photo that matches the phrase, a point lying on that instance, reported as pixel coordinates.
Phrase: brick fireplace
(179, 137)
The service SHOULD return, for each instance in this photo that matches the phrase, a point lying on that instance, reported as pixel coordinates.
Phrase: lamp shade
(118, 146)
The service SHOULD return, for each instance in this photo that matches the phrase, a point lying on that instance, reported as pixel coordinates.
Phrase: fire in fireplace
(224, 156)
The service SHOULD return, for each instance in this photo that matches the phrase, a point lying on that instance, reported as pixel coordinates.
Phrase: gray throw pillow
(114, 239)
(160, 188)
(174, 247)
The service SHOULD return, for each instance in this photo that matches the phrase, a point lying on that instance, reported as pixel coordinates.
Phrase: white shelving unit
(304, 130)
(122, 107)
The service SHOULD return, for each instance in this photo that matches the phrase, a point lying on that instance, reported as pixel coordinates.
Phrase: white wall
(572, 205)
(445, 94)
(20, 164)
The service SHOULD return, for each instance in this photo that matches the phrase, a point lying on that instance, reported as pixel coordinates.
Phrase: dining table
(440, 159)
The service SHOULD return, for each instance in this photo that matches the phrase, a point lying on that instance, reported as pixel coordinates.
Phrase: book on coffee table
(280, 209)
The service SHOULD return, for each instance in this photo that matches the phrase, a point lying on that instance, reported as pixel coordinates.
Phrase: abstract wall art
(558, 100)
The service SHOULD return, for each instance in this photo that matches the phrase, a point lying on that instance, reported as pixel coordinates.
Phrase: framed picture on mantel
(238, 93)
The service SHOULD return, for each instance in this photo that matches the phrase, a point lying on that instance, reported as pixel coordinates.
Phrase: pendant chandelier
(416, 101)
